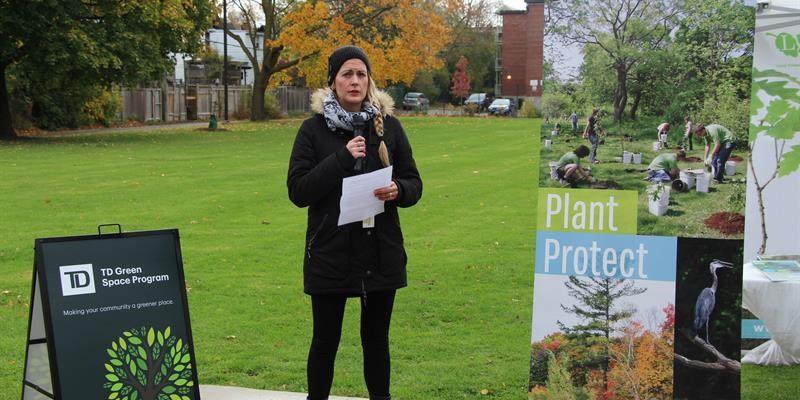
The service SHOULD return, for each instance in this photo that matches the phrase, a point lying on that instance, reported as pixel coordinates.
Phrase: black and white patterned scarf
(337, 117)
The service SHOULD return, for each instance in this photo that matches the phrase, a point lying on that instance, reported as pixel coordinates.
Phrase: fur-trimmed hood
(384, 101)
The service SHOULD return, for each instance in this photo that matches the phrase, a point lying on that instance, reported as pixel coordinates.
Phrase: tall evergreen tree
(597, 308)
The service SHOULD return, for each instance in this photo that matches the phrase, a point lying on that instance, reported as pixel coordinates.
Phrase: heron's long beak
(721, 264)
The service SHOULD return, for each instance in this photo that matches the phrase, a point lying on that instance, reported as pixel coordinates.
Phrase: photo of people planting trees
(659, 105)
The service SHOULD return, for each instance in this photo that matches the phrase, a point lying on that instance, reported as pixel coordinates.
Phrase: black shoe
(389, 397)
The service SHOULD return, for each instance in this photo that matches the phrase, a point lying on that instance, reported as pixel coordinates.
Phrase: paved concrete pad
(213, 392)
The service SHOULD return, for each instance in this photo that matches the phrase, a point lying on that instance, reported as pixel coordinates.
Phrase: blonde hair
(372, 98)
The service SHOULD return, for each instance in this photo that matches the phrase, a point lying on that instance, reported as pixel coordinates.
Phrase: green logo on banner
(146, 364)
(587, 210)
(786, 43)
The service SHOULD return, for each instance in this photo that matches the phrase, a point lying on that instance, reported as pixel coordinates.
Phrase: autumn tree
(460, 80)
(641, 365)
(59, 54)
(300, 36)
(596, 306)
(472, 23)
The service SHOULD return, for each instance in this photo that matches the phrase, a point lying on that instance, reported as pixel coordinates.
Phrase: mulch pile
(736, 158)
(690, 159)
(726, 222)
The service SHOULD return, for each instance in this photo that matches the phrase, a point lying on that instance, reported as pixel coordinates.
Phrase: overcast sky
(550, 293)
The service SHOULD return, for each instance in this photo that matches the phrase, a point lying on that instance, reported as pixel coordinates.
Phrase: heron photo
(708, 319)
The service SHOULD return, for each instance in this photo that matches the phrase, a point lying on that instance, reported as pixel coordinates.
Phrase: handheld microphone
(358, 130)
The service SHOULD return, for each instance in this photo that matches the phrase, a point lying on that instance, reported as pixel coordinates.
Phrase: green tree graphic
(147, 364)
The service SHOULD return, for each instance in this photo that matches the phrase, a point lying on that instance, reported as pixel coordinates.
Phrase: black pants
(328, 313)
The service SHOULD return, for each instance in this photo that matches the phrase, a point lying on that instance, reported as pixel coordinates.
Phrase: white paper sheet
(358, 200)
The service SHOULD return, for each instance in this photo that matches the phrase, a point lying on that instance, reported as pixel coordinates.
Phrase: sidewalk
(213, 392)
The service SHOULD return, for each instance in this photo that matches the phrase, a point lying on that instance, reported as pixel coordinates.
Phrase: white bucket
(730, 168)
(548, 143)
(658, 207)
(637, 158)
(626, 157)
(553, 170)
(656, 146)
(702, 181)
(688, 178)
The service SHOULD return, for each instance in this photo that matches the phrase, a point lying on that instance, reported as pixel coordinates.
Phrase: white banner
(774, 134)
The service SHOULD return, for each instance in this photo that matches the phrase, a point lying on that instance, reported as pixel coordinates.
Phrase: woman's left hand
(387, 193)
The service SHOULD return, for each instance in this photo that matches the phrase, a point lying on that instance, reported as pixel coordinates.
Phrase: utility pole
(225, 53)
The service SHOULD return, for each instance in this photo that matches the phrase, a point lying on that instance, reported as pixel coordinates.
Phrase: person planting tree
(719, 145)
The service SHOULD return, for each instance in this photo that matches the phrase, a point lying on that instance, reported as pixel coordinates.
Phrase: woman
(363, 259)
(591, 133)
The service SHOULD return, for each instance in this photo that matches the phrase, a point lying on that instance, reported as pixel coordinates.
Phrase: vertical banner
(642, 182)
(772, 245)
(774, 173)
(109, 320)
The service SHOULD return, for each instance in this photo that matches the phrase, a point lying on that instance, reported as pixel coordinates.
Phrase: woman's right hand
(357, 147)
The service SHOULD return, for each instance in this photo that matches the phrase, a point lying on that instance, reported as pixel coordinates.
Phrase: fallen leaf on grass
(230, 337)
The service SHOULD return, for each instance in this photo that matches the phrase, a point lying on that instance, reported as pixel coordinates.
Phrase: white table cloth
(778, 305)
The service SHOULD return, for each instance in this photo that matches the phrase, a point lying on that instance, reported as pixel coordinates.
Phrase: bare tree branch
(722, 364)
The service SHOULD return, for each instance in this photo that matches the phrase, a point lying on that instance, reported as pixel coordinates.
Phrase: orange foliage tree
(642, 361)
(400, 38)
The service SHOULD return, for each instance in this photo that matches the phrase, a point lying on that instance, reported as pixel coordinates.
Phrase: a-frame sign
(109, 319)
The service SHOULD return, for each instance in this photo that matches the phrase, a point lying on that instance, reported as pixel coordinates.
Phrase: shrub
(272, 109)
(105, 107)
(528, 110)
(725, 108)
(244, 107)
(736, 200)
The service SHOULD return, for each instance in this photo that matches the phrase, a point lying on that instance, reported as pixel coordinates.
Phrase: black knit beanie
(340, 56)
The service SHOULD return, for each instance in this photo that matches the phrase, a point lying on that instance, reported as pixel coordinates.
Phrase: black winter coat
(350, 259)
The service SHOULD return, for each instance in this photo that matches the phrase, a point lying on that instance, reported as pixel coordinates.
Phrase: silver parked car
(415, 101)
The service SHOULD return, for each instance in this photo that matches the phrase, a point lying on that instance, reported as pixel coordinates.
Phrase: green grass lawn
(686, 212)
(770, 383)
(461, 327)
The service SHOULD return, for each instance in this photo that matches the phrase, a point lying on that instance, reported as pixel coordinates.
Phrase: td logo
(77, 279)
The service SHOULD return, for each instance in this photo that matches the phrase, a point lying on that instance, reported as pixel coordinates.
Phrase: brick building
(520, 53)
